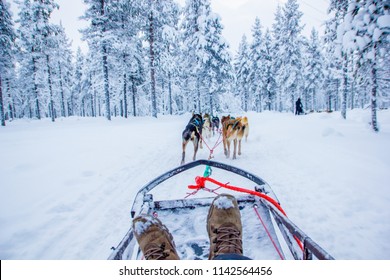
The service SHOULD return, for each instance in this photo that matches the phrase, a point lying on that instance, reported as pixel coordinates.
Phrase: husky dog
(245, 123)
(215, 124)
(234, 129)
(193, 132)
(206, 131)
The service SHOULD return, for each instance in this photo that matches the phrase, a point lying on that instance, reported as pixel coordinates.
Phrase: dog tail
(244, 121)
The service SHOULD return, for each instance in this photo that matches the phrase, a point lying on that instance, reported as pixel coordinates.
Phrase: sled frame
(144, 204)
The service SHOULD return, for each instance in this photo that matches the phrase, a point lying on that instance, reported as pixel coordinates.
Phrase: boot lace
(228, 240)
(155, 252)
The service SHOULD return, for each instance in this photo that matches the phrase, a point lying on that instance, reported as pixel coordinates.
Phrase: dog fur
(234, 130)
(206, 131)
(193, 132)
(214, 124)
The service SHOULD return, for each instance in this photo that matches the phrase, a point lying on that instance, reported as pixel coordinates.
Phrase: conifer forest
(152, 57)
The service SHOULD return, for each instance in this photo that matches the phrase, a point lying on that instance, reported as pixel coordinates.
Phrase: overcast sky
(237, 16)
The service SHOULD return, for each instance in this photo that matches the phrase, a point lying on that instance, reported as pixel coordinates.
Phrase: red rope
(201, 182)
(215, 145)
(269, 234)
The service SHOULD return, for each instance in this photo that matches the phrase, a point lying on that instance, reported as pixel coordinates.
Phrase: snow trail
(67, 187)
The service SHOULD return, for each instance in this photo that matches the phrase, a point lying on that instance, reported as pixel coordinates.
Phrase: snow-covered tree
(277, 34)
(366, 27)
(257, 71)
(218, 64)
(262, 69)
(7, 46)
(242, 66)
(127, 59)
(98, 35)
(205, 55)
(162, 36)
(314, 71)
(270, 73)
(62, 66)
(290, 52)
(36, 44)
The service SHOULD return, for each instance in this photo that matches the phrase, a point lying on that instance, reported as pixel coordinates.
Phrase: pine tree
(364, 30)
(269, 74)
(290, 52)
(7, 41)
(35, 35)
(130, 62)
(258, 70)
(205, 55)
(218, 64)
(193, 54)
(98, 35)
(314, 73)
(169, 66)
(75, 99)
(62, 66)
(340, 63)
(162, 26)
(242, 68)
(277, 33)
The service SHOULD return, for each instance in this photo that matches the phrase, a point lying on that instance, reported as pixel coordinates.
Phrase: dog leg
(235, 147)
(239, 147)
(184, 152)
(228, 148)
(224, 144)
(196, 141)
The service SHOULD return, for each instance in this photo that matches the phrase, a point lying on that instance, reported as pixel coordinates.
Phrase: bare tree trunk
(124, 91)
(152, 69)
(63, 114)
(2, 116)
(37, 107)
(134, 93)
(105, 69)
(106, 83)
(50, 89)
(345, 88)
(170, 92)
(11, 105)
(374, 88)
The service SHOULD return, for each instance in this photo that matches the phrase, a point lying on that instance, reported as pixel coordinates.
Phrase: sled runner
(267, 232)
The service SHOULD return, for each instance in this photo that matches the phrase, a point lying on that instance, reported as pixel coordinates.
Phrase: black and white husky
(193, 132)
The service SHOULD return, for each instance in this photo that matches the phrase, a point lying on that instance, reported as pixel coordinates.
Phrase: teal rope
(207, 171)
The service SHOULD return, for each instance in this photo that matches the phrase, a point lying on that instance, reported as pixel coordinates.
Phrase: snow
(67, 187)
(140, 226)
(223, 202)
(384, 21)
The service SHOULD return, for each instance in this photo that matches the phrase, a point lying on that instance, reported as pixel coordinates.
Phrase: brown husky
(234, 129)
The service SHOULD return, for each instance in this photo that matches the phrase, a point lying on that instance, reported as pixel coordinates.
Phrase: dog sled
(267, 232)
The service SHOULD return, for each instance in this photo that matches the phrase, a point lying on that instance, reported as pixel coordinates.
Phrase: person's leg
(154, 239)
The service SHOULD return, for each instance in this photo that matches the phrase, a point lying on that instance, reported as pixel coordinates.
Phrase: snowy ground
(67, 187)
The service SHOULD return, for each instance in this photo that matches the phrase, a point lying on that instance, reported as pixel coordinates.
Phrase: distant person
(298, 107)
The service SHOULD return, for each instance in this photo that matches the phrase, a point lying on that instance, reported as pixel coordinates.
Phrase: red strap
(201, 181)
